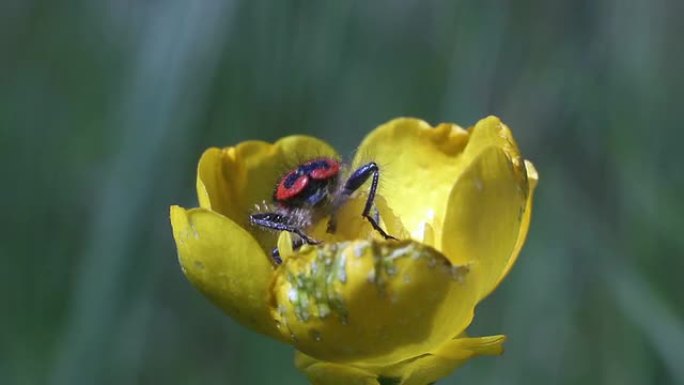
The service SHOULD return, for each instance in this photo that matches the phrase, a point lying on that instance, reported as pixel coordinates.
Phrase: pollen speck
(478, 184)
(292, 295)
(358, 250)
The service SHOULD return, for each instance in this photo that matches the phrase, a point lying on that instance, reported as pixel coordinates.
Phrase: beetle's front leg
(275, 253)
(355, 181)
(280, 222)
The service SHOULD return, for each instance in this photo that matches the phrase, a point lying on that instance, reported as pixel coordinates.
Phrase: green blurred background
(105, 107)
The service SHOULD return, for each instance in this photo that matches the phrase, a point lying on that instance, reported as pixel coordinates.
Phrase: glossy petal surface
(488, 206)
(418, 165)
(371, 301)
(226, 264)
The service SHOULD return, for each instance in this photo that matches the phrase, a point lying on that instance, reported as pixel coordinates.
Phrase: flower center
(347, 224)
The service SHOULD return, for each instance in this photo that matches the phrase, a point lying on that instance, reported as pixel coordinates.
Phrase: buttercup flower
(361, 309)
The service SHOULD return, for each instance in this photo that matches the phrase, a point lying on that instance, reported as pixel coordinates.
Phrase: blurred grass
(106, 106)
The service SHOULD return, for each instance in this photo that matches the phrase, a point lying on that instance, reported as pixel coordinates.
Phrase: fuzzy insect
(314, 190)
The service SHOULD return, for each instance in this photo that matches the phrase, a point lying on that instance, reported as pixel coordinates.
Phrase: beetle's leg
(355, 181)
(275, 253)
(376, 213)
(332, 225)
(280, 222)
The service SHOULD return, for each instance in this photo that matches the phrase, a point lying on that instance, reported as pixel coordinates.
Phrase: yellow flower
(358, 308)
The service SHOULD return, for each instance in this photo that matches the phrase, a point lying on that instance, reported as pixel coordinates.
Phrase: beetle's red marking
(284, 193)
(295, 183)
(322, 172)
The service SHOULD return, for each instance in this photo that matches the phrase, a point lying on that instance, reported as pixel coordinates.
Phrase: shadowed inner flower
(350, 225)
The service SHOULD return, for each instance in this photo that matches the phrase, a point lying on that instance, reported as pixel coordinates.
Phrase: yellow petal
(330, 373)
(488, 205)
(420, 370)
(533, 179)
(418, 167)
(226, 264)
(440, 363)
(231, 181)
(379, 302)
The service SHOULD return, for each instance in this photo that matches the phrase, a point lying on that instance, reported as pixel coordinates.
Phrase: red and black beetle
(305, 183)
(313, 190)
